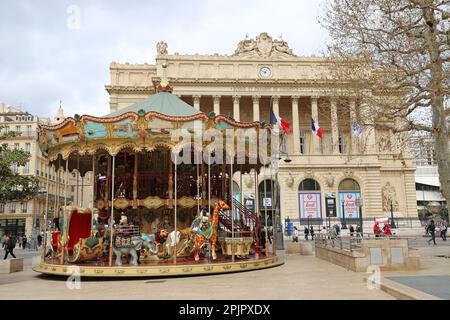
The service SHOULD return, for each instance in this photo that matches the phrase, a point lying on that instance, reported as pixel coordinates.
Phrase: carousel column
(236, 110)
(196, 99)
(65, 206)
(256, 199)
(135, 183)
(216, 101)
(93, 192)
(175, 212)
(232, 204)
(170, 182)
(108, 179)
(112, 212)
(78, 178)
(44, 244)
(256, 107)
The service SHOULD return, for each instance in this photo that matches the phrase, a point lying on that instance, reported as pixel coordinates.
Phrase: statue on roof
(161, 48)
(263, 46)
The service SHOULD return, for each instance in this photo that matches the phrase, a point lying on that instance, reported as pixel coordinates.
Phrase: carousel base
(150, 268)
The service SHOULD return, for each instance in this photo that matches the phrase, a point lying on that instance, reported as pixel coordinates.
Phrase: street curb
(402, 292)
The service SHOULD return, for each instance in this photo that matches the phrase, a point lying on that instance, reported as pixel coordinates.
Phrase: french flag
(276, 119)
(316, 129)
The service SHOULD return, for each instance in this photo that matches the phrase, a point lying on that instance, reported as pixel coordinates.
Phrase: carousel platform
(160, 268)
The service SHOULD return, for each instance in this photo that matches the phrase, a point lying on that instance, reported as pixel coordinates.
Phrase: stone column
(256, 107)
(196, 99)
(216, 100)
(295, 125)
(236, 106)
(353, 138)
(276, 105)
(314, 141)
(334, 125)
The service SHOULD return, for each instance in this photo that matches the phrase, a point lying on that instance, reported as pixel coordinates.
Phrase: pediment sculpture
(263, 46)
(389, 196)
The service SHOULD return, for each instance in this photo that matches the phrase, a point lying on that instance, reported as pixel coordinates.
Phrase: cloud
(47, 54)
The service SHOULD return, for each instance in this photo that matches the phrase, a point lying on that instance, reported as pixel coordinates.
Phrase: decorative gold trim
(158, 271)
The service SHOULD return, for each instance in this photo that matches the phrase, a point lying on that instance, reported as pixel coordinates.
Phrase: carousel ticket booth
(164, 200)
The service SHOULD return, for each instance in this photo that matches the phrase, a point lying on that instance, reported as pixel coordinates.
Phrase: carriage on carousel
(152, 214)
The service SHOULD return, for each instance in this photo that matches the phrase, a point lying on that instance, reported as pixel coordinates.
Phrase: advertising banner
(350, 207)
(310, 205)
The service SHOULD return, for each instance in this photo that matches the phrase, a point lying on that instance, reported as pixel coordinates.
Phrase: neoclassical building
(264, 71)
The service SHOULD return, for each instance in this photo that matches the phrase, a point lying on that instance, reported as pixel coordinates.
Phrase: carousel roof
(162, 102)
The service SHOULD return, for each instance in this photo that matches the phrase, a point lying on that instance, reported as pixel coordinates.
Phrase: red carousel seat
(79, 227)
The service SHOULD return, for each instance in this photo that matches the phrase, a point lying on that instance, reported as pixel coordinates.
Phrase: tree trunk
(440, 126)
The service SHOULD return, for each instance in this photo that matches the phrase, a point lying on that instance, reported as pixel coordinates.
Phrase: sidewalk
(301, 277)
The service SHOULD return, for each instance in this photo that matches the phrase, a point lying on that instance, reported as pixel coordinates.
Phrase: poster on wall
(350, 207)
(310, 205)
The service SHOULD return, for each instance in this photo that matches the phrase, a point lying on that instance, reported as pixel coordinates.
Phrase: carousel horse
(175, 237)
(205, 230)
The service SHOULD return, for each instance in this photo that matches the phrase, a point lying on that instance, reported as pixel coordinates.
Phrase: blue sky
(61, 50)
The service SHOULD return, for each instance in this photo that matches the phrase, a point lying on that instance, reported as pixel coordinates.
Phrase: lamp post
(392, 216)
(359, 203)
(344, 224)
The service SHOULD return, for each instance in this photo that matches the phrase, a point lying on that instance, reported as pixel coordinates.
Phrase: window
(15, 169)
(26, 168)
(18, 130)
(24, 207)
(16, 146)
(302, 141)
(29, 130)
(27, 147)
(6, 129)
(13, 207)
(2, 208)
(309, 185)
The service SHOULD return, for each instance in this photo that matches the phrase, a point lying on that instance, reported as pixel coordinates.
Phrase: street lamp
(359, 203)
(344, 224)
(392, 216)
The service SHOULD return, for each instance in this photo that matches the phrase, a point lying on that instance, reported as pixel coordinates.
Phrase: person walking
(352, 230)
(376, 229)
(443, 230)
(387, 230)
(39, 240)
(24, 242)
(311, 232)
(431, 230)
(306, 232)
(295, 235)
(10, 244)
(19, 240)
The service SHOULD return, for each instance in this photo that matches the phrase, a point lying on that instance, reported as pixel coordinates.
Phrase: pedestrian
(443, 230)
(39, 240)
(338, 229)
(24, 242)
(10, 244)
(295, 235)
(270, 234)
(19, 240)
(387, 230)
(431, 229)
(311, 232)
(352, 230)
(376, 229)
(306, 232)
(263, 238)
(358, 230)
(324, 233)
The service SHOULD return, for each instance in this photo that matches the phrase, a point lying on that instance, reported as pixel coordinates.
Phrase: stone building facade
(263, 72)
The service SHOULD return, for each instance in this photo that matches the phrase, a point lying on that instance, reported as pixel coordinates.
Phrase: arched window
(309, 185)
(349, 185)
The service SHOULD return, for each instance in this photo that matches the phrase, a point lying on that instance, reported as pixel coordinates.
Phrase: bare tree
(397, 53)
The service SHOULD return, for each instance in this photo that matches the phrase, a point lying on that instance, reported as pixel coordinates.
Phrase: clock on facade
(264, 72)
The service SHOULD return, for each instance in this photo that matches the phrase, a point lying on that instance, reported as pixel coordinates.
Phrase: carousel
(163, 204)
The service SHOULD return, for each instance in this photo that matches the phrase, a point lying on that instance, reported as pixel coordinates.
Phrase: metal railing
(351, 242)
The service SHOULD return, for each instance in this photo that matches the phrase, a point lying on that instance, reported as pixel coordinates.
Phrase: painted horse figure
(205, 230)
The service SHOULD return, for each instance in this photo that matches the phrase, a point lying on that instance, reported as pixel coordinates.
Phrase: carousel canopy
(161, 102)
